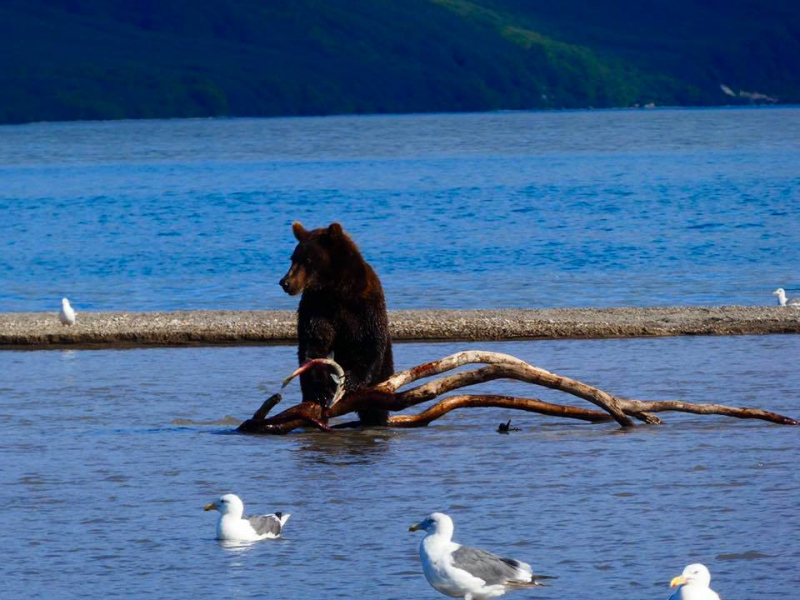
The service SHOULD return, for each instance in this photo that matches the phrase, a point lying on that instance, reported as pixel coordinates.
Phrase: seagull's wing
(266, 524)
(494, 570)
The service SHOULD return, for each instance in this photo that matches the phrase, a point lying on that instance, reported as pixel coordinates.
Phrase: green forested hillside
(106, 59)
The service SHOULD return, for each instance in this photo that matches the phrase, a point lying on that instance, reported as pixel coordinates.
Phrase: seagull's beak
(416, 527)
(676, 581)
(211, 506)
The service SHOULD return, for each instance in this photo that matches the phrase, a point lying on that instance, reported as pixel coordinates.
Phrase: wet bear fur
(342, 311)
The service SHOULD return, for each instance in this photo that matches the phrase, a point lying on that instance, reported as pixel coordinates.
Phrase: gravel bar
(231, 327)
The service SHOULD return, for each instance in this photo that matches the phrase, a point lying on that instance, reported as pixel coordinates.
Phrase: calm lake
(106, 465)
(579, 209)
(107, 457)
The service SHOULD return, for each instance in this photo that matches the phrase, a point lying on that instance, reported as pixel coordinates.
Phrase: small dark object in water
(506, 427)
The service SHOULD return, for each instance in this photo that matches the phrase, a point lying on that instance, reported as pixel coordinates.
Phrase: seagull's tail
(282, 518)
(536, 579)
(526, 577)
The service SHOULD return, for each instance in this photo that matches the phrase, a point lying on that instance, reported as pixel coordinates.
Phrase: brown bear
(342, 312)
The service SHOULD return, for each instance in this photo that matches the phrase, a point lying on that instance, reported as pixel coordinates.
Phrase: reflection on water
(234, 546)
(347, 447)
(109, 457)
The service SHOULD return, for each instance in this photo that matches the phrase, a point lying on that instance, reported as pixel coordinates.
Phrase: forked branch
(386, 395)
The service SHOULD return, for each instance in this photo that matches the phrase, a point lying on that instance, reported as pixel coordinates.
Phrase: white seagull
(783, 300)
(693, 584)
(67, 313)
(463, 572)
(235, 528)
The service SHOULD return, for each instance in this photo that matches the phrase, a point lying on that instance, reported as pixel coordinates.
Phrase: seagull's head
(696, 574)
(779, 292)
(227, 504)
(65, 303)
(435, 523)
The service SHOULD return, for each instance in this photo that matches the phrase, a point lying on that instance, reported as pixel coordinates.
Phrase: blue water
(109, 456)
(600, 208)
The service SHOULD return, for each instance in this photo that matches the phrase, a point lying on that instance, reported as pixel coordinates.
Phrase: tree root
(500, 366)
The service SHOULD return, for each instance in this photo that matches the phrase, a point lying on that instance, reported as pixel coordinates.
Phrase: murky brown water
(106, 464)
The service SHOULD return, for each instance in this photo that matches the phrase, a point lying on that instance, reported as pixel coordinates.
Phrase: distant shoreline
(431, 113)
(20, 331)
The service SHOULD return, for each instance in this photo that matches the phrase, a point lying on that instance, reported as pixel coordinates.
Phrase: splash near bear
(342, 313)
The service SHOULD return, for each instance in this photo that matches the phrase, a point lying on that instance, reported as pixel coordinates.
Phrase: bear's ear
(300, 233)
(335, 229)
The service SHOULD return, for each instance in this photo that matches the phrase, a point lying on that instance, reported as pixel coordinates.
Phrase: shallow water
(584, 208)
(105, 469)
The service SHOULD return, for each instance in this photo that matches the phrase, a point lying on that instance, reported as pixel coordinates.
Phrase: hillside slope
(747, 45)
(106, 59)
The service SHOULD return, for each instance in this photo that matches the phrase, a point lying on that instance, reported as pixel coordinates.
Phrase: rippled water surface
(109, 456)
(602, 208)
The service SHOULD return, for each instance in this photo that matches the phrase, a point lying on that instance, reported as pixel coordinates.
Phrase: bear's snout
(294, 281)
(288, 286)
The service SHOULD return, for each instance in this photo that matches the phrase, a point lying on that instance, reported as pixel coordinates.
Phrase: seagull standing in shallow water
(693, 584)
(67, 313)
(233, 527)
(463, 572)
(783, 300)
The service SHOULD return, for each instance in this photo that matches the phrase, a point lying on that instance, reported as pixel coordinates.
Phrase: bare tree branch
(520, 370)
(500, 366)
(706, 409)
(527, 404)
(264, 409)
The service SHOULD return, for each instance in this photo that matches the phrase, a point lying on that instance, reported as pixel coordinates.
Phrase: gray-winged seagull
(783, 300)
(463, 572)
(232, 526)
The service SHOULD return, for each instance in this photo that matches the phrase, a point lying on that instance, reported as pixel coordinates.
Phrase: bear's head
(324, 258)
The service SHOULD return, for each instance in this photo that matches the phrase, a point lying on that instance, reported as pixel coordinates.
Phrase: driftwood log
(387, 395)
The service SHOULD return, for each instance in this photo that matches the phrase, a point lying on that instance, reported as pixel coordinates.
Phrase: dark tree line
(106, 59)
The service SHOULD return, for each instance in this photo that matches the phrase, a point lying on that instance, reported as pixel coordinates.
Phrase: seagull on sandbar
(463, 572)
(67, 313)
(783, 300)
(233, 527)
(693, 584)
